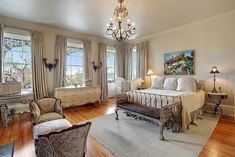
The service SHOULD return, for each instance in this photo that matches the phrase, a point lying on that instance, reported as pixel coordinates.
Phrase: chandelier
(120, 26)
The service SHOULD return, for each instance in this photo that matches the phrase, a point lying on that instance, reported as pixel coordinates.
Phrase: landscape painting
(179, 63)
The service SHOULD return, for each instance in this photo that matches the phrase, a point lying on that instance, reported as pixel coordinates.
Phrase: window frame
(134, 51)
(111, 49)
(75, 44)
(21, 67)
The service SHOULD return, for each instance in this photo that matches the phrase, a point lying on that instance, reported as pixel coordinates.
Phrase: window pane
(74, 68)
(17, 60)
(133, 75)
(111, 64)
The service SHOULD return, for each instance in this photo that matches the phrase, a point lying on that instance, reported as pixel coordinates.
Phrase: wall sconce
(95, 67)
(50, 65)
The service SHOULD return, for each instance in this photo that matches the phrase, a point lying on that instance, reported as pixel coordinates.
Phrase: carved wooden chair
(46, 109)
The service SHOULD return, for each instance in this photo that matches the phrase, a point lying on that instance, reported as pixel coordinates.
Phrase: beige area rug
(129, 137)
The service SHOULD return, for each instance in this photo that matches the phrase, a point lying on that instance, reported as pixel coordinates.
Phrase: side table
(216, 100)
(7, 100)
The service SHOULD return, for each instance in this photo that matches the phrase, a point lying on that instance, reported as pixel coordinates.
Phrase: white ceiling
(91, 16)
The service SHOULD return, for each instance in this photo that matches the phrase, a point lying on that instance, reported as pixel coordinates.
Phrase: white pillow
(170, 83)
(158, 83)
(187, 84)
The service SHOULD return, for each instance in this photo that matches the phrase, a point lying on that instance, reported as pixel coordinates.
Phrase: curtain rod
(9, 26)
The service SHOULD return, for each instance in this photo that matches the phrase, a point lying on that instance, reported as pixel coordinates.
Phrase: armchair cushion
(46, 105)
(49, 116)
(50, 126)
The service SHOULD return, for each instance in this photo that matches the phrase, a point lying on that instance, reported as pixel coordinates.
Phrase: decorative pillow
(187, 84)
(170, 83)
(158, 83)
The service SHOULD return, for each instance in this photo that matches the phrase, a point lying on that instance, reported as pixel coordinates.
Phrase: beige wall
(49, 42)
(214, 42)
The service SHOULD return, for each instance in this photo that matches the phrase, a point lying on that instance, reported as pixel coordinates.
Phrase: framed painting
(179, 63)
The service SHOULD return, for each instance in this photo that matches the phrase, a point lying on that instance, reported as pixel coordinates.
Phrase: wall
(214, 42)
(49, 42)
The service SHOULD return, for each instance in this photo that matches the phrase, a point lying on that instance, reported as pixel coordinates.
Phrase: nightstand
(216, 99)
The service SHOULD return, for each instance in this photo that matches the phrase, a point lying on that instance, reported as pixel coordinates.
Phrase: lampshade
(214, 70)
(150, 72)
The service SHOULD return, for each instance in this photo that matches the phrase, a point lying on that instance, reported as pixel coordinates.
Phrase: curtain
(87, 48)
(119, 62)
(142, 56)
(60, 54)
(1, 51)
(102, 76)
(128, 61)
(38, 69)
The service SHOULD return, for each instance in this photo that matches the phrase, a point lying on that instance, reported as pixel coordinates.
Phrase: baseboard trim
(227, 110)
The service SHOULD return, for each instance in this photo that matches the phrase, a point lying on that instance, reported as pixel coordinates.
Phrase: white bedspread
(191, 101)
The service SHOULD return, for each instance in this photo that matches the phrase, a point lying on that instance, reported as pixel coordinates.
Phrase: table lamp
(214, 71)
(150, 73)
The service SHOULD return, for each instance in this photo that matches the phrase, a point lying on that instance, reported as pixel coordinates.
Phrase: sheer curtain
(38, 68)
(142, 56)
(1, 50)
(87, 48)
(119, 63)
(128, 61)
(102, 76)
(60, 54)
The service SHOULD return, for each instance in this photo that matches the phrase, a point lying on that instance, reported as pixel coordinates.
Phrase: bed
(190, 102)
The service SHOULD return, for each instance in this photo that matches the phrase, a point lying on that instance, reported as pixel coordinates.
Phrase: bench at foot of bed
(162, 115)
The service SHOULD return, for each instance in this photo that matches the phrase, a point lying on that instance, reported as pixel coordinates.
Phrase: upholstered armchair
(70, 142)
(46, 109)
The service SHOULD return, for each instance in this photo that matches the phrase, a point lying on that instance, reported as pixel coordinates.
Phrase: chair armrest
(35, 111)
(58, 107)
(121, 98)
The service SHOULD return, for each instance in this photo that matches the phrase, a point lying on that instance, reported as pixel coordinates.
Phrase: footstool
(50, 126)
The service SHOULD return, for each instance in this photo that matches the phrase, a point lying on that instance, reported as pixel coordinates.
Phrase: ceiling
(91, 16)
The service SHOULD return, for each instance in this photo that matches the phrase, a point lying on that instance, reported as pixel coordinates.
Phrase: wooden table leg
(4, 115)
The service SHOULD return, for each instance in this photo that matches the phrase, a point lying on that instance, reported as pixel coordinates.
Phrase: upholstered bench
(50, 126)
(161, 115)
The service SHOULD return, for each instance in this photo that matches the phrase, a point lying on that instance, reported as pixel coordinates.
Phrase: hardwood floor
(222, 140)
(220, 144)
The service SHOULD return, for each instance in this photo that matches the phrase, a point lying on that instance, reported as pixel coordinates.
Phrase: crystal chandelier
(120, 26)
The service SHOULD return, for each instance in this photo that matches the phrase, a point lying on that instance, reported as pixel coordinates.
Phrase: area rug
(129, 137)
(7, 150)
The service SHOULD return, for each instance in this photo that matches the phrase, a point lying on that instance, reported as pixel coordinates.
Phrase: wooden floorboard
(220, 144)
(222, 140)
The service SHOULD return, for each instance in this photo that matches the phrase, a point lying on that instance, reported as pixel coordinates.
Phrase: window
(17, 57)
(133, 67)
(111, 64)
(75, 66)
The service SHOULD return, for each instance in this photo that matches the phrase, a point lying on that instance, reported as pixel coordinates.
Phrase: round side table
(216, 100)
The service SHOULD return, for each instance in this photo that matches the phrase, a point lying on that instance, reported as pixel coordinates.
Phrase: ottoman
(50, 126)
